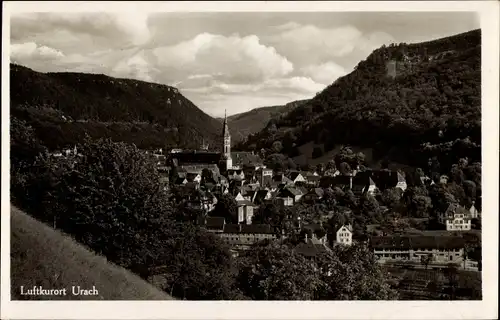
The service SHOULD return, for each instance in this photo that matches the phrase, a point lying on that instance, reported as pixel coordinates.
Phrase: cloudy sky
(233, 61)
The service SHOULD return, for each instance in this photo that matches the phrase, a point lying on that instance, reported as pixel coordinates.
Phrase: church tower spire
(226, 145)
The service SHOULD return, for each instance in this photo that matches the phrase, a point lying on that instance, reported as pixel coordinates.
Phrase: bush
(317, 152)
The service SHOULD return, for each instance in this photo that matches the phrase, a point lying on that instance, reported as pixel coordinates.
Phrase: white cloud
(309, 44)
(231, 58)
(279, 86)
(325, 73)
(136, 67)
(82, 31)
(258, 66)
(24, 52)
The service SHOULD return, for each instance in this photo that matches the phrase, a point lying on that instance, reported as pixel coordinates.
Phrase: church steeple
(225, 128)
(226, 144)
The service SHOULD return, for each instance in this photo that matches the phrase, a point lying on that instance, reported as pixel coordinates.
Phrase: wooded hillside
(409, 102)
(63, 107)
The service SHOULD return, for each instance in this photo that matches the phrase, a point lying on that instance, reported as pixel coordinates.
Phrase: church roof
(225, 128)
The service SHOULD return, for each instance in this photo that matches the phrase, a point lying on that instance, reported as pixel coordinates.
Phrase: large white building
(456, 218)
(441, 250)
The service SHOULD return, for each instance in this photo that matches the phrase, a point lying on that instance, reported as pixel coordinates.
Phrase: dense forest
(411, 102)
(244, 124)
(63, 107)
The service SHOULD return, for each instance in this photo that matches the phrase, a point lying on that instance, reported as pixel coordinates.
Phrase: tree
(206, 175)
(329, 198)
(320, 168)
(317, 152)
(457, 175)
(369, 206)
(226, 207)
(277, 147)
(470, 189)
(291, 164)
(330, 165)
(275, 272)
(420, 206)
(352, 273)
(276, 161)
(271, 213)
(107, 199)
(198, 266)
(24, 144)
(340, 217)
(173, 175)
(345, 168)
(110, 199)
(391, 197)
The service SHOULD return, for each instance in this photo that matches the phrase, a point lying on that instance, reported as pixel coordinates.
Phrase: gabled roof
(256, 228)
(305, 173)
(417, 242)
(401, 178)
(386, 179)
(293, 175)
(191, 185)
(250, 194)
(313, 226)
(214, 223)
(348, 227)
(209, 186)
(246, 158)
(294, 191)
(244, 203)
(456, 209)
(312, 178)
(310, 249)
(248, 229)
(341, 180)
(260, 196)
(190, 176)
(317, 191)
(302, 189)
(179, 180)
(274, 184)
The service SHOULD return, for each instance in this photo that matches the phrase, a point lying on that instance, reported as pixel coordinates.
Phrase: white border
(487, 308)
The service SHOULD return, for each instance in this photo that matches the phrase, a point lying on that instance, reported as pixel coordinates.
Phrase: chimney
(239, 227)
(350, 182)
(306, 237)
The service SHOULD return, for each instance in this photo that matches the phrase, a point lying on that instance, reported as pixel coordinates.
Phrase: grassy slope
(44, 257)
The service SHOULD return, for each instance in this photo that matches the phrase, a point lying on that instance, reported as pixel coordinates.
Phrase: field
(420, 284)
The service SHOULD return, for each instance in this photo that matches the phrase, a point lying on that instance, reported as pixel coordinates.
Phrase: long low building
(239, 235)
(440, 249)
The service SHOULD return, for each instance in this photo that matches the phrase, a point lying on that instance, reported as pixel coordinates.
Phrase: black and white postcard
(250, 160)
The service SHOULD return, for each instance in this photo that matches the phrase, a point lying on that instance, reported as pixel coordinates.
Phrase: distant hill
(63, 107)
(244, 124)
(406, 102)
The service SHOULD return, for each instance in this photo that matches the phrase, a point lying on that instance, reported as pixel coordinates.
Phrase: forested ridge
(63, 107)
(243, 124)
(420, 100)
